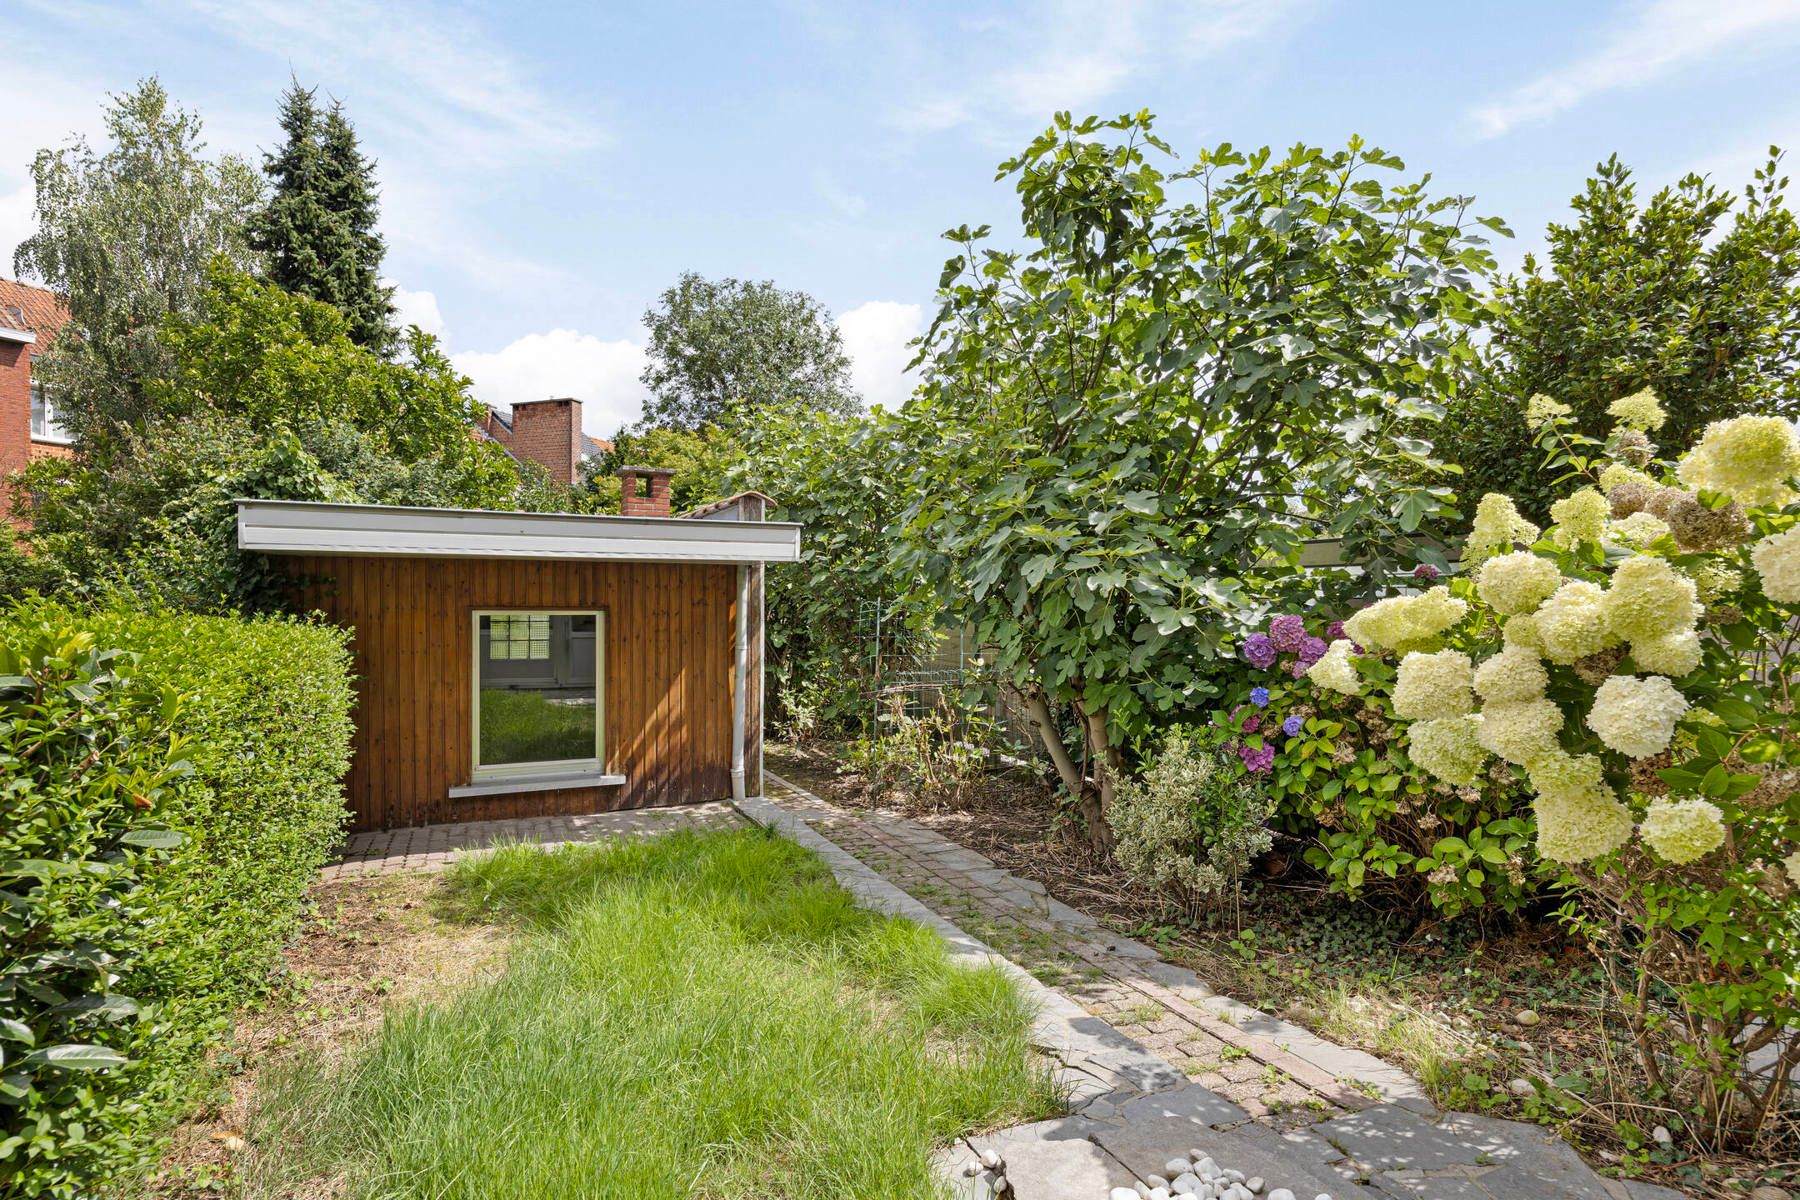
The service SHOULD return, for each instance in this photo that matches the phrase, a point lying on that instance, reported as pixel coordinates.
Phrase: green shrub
(87, 759)
(1189, 825)
(1374, 824)
(264, 721)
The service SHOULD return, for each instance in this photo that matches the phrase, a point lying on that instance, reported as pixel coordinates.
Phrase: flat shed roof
(307, 527)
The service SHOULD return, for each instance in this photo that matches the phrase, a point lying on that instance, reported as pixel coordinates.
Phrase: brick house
(546, 432)
(29, 319)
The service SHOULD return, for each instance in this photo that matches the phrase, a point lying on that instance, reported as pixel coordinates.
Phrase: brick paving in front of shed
(429, 847)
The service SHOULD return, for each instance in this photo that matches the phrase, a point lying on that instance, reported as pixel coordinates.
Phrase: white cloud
(1657, 39)
(602, 375)
(417, 308)
(436, 78)
(875, 337)
(1070, 55)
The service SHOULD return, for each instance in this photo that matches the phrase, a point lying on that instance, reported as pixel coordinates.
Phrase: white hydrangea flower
(1792, 863)
(1523, 631)
(1636, 714)
(1400, 622)
(1572, 623)
(1639, 411)
(1674, 655)
(1430, 686)
(1637, 530)
(1683, 831)
(1749, 459)
(1580, 518)
(1777, 559)
(1522, 733)
(1576, 828)
(1448, 748)
(1511, 677)
(1560, 773)
(1648, 599)
(1517, 582)
(1618, 473)
(1540, 410)
(1497, 526)
(1334, 670)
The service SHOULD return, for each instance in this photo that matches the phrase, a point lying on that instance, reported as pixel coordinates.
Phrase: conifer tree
(318, 228)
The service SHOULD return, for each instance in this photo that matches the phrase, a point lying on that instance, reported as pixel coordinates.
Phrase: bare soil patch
(371, 943)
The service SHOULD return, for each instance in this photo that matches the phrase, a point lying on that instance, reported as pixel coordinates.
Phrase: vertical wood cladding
(667, 667)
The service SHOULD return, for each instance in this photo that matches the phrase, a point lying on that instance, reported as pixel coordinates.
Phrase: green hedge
(259, 713)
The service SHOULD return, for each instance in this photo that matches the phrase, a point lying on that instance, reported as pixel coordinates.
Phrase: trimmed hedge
(259, 712)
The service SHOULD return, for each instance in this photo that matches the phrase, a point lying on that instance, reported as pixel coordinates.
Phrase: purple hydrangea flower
(1258, 762)
(1287, 633)
(1292, 726)
(1335, 630)
(1312, 650)
(1260, 651)
(1259, 696)
(1425, 571)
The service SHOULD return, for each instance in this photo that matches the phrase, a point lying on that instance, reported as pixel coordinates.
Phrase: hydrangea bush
(1630, 667)
(1345, 780)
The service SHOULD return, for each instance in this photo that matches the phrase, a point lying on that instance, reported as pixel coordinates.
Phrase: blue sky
(548, 169)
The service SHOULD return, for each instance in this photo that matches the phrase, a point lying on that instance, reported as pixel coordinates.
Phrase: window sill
(48, 439)
(535, 783)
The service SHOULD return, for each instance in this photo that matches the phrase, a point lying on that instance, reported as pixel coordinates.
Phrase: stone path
(1158, 1066)
(434, 846)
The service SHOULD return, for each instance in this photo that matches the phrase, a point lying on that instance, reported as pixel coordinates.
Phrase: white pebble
(1187, 1181)
(1281, 1194)
(992, 1161)
(1323, 1196)
(1205, 1167)
(1521, 1088)
(1161, 1194)
(1233, 1175)
(1238, 1191)
(1122, 1194)
(1661, 1136)
(1177, 1166)
(1154, 1181)
(972, 1168)
(1255, 1184)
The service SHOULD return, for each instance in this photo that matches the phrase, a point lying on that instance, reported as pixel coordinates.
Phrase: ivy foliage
(1131, 423)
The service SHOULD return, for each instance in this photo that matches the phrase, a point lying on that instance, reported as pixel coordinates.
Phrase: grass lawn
(693, 1015)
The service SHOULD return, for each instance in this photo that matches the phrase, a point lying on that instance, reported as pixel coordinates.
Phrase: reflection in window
(538, 699)
(44, 423)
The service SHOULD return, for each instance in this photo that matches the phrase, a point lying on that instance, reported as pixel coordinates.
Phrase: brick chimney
(548, 432)
(644, 491)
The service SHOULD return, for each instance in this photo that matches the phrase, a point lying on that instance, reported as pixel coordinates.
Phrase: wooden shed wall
(667, 668)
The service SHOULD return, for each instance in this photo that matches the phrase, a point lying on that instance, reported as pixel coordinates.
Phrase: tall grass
(697, 1015)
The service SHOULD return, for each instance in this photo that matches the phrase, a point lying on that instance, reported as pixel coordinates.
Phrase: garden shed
(517, 664)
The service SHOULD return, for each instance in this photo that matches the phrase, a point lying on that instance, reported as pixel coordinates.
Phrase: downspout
(741, 682)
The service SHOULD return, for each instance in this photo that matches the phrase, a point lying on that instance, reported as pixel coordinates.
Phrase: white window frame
(556, 767)
(53, 434)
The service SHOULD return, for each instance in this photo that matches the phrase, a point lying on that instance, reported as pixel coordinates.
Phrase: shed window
(539, 705)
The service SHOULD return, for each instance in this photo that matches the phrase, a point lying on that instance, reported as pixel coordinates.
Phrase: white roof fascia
(8, 334)
(303, 527)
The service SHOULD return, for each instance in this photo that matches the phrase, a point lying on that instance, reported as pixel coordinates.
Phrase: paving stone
(1388, 1137)
(1146, 1145)
(1650, 1191)
(1188, 1104)
(1055, 1160)
(1417, 1185)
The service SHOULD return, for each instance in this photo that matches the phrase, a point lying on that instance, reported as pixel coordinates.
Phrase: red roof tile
(30, 309)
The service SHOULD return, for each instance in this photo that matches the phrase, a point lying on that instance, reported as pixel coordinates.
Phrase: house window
(538, 707)
(45, 426)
